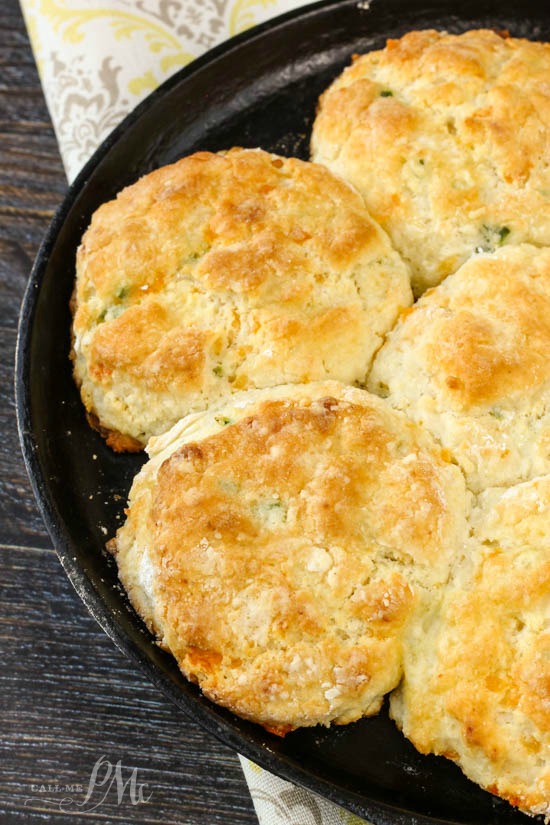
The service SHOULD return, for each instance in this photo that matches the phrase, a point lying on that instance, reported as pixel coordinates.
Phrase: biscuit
(448, 139)
(277, 546)
(470, 362)
(477, 665)
(226, 272)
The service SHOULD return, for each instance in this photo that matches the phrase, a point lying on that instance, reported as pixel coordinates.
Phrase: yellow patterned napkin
(97, 59)
(280, 803)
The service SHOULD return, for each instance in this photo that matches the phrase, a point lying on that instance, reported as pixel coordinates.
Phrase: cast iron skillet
(259, 89)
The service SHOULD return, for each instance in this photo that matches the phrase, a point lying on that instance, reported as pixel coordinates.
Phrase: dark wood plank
(68, 696)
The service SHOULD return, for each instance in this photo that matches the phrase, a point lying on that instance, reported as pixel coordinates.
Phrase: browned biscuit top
(477, 684)
(225, 272)
(448, 139)
(285, 551)
(471, 362)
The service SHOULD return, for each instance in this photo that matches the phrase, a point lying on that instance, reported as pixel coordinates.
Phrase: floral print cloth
(98, 58)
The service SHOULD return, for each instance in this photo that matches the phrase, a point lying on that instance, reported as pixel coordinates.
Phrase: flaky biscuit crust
(278, 549)
(224, 272)
(470, 361)
(299, 548)
(477, 669)
(448, 139)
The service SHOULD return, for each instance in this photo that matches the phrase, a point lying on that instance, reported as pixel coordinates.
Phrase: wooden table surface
(68, 697)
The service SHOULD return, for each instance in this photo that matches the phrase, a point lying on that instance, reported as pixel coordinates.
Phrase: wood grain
(68, 696)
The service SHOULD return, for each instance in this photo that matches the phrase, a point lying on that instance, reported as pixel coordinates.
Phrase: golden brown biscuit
(477, 667)
(448, 139)
(470, 362)
(277, 547)
(224, 272)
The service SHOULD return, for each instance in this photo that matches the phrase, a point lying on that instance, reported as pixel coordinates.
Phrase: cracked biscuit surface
(470, 363)
(448, 139)
(477, 667)
(277, 547)
(226, 272)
